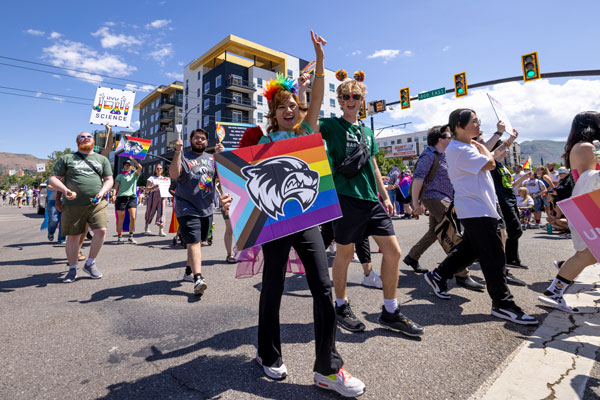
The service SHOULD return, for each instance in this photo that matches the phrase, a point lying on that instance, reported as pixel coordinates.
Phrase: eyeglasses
(85, 136)
(353, 96)
(477, 121)
(446, 137)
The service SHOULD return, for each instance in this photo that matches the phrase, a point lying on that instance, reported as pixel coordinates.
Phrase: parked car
(42, 200)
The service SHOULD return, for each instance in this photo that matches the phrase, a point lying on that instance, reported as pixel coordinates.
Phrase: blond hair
(526, 192)
(352, 87)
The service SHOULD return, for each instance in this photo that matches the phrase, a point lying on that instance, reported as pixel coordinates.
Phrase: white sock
(390, 305)
(90, 261)
(73, 266)
(340, 302)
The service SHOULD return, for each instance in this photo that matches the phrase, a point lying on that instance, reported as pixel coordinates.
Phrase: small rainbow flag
(583, 212)
(220, 132)
(310, 67)
(528, 163)
(134, 147)
(278, 188)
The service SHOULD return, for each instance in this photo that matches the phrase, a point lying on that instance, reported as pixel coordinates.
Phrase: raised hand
(319, 42)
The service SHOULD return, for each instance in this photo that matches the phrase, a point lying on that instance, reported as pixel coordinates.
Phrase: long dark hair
(585, 128)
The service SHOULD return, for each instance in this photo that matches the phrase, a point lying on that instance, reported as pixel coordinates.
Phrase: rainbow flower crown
(279, 83)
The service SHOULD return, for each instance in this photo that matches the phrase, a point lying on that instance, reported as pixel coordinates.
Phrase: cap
(563, 170)
(127, 162)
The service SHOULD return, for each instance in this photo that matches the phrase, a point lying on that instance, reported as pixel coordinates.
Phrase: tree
(386, 164)
(55, 155)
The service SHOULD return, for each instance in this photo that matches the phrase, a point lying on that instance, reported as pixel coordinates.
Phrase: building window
(408, 140)
(218, 81)
(198, 122)
(331, 87)
(162, 150)
(207, 86)
(424, 138)
(237, 97)
(290, 73)
(321, 113)
(199, 75)
(162, 138)
(259, 117)
(416, 139)
(332, 115)
(179, 112)
(198, 93)
(218, 116)
(236, 116)
(393, 142)
(152, 118)
(399, 141)
(218, 98)
(332, 102)
(206, 104)
(206, 120)
(259, 82)
(259, 99)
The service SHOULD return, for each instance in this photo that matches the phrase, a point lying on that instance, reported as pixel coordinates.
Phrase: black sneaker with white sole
(199, 285)
(439, 286)
(397, 321)
(347, 320)
(514, 314)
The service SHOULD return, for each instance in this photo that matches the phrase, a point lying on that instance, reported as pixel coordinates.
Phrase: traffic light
(531, 67)
(405, 98)
(460, 84)
(363, 110)
(379, 106)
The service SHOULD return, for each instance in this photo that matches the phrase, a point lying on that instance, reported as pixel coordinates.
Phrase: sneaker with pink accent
(342, 382)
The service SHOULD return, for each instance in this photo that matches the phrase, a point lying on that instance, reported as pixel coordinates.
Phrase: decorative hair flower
(279, 83)
(359, 76)
(341, 75)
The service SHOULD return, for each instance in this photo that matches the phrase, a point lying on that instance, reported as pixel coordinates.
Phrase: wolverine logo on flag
(272, 182)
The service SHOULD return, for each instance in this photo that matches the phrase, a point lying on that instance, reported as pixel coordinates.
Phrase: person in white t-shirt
(469, 165)
(537, 190)
(553, 173)
(155, 204)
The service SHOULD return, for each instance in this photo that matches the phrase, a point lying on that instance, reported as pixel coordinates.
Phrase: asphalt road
(139, 332)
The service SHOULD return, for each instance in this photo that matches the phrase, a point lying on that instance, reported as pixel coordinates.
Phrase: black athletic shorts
(194, 229)
(361, 218)
(123, 203)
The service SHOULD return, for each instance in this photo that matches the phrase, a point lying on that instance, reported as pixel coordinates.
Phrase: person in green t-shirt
(363, 214)
(125, 197)
(87, 178)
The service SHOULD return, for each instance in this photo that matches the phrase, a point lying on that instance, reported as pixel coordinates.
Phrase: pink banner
(583, 212)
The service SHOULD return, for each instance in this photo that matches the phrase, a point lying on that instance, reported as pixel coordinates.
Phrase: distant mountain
(26, 162)
(549, 150)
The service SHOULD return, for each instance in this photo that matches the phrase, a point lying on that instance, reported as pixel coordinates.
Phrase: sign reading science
(113, 106)
(400, 150)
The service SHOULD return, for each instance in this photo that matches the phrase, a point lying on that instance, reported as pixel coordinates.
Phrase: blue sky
(397, 44)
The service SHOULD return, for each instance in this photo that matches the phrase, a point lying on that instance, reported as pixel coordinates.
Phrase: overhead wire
(46, 93)
(46, 98)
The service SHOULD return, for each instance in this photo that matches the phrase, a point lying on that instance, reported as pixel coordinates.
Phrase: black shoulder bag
(356, 160)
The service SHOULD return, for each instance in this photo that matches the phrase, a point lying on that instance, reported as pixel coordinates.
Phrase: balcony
(166, 105)
(240, 85)
(166, 117)
(240, 103)
(244, 120)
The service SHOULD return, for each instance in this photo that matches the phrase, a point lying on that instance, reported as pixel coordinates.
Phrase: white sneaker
(557, 302)
(147, 229)
(277, 373)
(355, 258)
(200, 286)
(331, 248)
(372, 280)
(188, 277)
(342, 382)
(161, 233)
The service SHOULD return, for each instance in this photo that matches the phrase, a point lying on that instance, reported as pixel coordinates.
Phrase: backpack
(434, 169)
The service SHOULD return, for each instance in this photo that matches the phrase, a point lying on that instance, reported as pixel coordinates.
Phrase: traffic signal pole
(563, 74)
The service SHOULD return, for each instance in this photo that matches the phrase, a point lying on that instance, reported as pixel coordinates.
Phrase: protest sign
(113, 106)
(231, 133)
(41, 167)
(501, 114)
(583, 212)
(278, 188)
(163, 185)
(133, 146)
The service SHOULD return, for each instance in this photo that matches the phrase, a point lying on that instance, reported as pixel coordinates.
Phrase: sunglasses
(351, 96)
(446, 137)
(85, 137)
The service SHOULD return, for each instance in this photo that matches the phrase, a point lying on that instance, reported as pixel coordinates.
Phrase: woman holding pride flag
(289, 118)
(580, 158)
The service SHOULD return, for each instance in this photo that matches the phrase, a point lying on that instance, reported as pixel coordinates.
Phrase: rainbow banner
(133, 147)
(278, 188)
(583, 212)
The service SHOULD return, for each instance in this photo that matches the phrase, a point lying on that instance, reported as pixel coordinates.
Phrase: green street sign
(432, 93)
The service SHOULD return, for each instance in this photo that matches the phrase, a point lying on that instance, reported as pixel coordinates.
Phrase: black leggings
(309, 246)
(363, 248)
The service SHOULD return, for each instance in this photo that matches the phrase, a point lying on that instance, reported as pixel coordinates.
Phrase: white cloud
(385, 54)
(109, 23)
(162, 53)
(143, 88)
(178, 76)
(35, 32)
(77, 55)
(109, 40)
(538, 109)
(159, 23)
(356, 53)
(446, 48)
(55, 35)
(407, 53)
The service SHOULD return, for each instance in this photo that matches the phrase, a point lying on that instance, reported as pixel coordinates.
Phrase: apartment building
(226, 84)
(160, 112)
